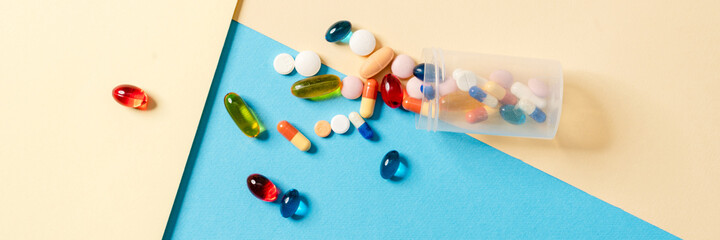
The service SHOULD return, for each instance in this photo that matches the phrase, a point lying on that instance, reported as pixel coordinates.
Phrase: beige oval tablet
(322, 128)
(376, 62)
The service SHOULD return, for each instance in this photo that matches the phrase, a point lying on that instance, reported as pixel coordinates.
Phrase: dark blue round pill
(290, 203)
(390, 164)
(429, 92)
(338, 31)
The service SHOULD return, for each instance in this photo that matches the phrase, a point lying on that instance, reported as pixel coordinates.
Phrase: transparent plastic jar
(450, 110)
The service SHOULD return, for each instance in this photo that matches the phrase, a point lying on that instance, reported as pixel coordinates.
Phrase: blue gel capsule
(425, 69)
(428, 91)
(391, 166)
(533, 111)
(292, 204)
(361, 125)
(512, 114)
(338, 31)
(477, 93)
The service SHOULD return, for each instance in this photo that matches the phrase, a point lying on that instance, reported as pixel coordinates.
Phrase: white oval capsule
(521, 90)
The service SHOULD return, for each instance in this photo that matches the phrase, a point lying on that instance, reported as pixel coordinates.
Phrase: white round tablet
(307, 63)
(284, 63)
(340, 124)
(362, 42)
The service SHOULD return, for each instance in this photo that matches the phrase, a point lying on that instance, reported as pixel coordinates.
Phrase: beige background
(75, 164)
(640, 118)
(639, 125)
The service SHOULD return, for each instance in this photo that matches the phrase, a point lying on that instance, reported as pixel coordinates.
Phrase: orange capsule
(367, 104)
(293, 135)
(412, 104)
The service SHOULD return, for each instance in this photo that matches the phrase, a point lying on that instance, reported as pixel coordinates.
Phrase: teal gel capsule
(243, 115)
(316, 86)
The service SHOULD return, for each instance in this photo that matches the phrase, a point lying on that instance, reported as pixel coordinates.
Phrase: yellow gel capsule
(243, 115)
(459, 101)
(316, 86)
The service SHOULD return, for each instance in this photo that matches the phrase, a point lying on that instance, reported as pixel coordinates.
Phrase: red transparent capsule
(391, 91)
(130, 96)
(262, 187)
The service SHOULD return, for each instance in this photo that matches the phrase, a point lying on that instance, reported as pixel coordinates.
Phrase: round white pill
(362, 42)
(466, 79)
(340, 124)
(307, 63)
(284, 63)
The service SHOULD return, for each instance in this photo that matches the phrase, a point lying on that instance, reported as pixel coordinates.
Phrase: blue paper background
(457, 187)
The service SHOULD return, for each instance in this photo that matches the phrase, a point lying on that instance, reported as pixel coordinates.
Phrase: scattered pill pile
(410, 85)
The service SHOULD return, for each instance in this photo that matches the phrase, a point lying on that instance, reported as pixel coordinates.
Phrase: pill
(476, 115)
(293, 135)
(322, 128)
(262, 187)
(362, 42)
(338, 31)
(340, 124)
(502, 77)
(351, 87)
(403, 66)
(376, 62)
(520, 90)
(284, 63)
(426, 69)
(243, 116)
(412, 104)
(538, 87)
(361, 125)
(428, 91)
(367, 103)
(391, 167)
(459, 101)
(292, 204)
(130, 96)
(480, 95)
(307, 63)
(316, 86)
(391, 91)
(466, 79)
(497, 91)
(512, 114)
(447, 87)
(413, 88)
(531, 110)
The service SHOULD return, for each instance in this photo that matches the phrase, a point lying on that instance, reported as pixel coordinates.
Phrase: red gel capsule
(391, 91)
(130, 96)
(262, 188)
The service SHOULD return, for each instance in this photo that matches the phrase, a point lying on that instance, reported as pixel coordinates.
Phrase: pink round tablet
(413, 88)
(539, 88)
(502, 77)
(351, 87)
(447, 87)
(403, 66)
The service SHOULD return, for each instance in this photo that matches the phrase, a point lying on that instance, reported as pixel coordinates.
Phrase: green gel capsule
(316, 86)
(243, 115)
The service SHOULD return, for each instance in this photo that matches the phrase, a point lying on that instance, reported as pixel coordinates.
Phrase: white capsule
(356, 119)
(521, 90)
(466, 79)
(526, 106)
(490, 101)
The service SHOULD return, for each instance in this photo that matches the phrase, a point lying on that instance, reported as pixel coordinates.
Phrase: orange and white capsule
(293, 135)
(367, 104)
